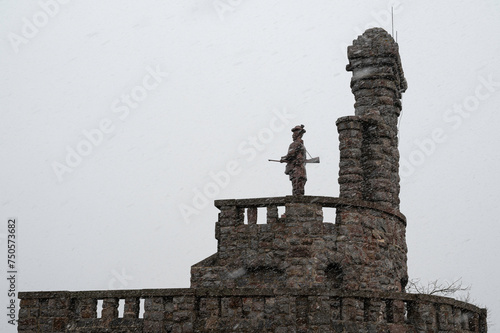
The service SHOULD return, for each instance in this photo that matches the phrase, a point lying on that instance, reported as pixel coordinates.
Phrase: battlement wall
(363, 249)
(378, 79)
(245, 310)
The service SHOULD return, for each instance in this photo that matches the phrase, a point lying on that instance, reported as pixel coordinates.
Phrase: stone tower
(296, 272)
(366, 248)
(373, 245)
(369, 155)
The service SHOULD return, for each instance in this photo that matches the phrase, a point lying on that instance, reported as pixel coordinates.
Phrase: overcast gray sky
(121, 119)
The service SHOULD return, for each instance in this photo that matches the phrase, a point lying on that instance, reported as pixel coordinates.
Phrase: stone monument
(296, 272)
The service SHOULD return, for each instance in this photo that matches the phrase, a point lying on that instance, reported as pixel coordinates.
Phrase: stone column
(351, 177)
(369, 160)
(371, 245)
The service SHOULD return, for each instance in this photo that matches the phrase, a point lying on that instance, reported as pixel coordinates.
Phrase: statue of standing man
(296, 161)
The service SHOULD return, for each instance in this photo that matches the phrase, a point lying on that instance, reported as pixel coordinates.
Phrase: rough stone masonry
(296, 272)
(366, 248)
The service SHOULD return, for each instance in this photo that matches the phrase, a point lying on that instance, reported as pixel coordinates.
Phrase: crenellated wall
(246, 311)
(288, 251)
(365, 249)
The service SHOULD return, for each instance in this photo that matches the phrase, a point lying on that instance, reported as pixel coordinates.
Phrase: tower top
(377, 76)
(377, 45)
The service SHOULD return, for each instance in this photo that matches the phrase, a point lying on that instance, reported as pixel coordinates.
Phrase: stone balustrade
(246, 310)
(234, 210)
(364, 249)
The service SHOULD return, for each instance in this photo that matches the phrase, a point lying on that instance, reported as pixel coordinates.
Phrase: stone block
(109, 308)
(153, 304)
(131, 308)
(353, 310)
(350, 153)
(29, 303)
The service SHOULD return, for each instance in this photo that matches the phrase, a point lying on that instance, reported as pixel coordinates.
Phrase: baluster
(131, 310)
(398, 311)
(252, 215)
(272, 214)
(109, 308)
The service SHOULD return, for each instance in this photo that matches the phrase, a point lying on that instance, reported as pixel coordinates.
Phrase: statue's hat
(299, 128)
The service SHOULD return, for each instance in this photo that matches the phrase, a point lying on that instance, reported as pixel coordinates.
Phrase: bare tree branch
(437, 287)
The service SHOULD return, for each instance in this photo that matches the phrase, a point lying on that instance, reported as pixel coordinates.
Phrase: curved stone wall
(363, 249)
(246, 310)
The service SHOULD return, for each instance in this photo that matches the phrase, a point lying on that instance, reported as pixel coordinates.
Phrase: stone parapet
(363, 249)
(239, 205)
(245, 310)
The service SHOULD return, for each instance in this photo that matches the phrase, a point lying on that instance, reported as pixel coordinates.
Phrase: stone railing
(246, 310)
(250, 206)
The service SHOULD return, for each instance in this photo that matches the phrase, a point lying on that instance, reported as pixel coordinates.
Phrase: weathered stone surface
(261, 310)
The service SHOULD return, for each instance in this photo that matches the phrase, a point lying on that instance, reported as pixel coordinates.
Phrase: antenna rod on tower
(392, 19)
